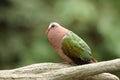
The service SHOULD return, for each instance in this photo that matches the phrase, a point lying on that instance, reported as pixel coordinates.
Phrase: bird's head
(52, 25)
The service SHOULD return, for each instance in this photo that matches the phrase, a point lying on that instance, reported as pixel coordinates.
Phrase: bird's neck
(56, 35)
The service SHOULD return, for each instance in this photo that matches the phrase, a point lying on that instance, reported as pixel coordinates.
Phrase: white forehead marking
(53, 23)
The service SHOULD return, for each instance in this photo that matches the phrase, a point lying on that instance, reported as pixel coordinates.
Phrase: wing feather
(74, 46)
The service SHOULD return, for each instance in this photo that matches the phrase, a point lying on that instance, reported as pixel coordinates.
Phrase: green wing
(73, 46)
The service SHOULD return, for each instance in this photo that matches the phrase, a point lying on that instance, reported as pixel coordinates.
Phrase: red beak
(47, 31)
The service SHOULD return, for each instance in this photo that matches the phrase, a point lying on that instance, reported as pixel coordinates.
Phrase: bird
(68, 45)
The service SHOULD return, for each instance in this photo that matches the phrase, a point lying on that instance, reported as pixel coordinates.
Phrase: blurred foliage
(23, 23)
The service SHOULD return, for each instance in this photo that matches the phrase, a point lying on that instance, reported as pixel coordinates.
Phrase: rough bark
(56, 71)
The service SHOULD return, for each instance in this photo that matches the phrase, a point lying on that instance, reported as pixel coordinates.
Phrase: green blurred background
(23, 23)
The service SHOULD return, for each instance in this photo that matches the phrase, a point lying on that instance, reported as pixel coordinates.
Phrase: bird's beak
(47, 31)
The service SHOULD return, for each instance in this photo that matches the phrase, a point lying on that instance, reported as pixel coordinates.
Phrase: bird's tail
(93, 60)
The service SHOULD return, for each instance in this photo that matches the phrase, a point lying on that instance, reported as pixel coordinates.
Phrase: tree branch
(55, 71)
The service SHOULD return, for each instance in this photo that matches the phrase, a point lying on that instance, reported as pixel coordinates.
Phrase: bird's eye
(52, 26)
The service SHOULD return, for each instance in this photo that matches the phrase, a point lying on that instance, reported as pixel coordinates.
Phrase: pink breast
(55, 37)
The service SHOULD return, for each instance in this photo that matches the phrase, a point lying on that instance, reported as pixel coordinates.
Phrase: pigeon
(68, 45)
